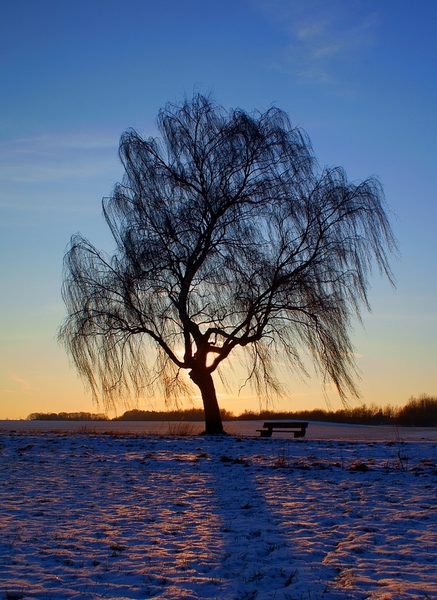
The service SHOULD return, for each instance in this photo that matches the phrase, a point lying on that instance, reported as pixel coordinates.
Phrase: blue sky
(360, 76)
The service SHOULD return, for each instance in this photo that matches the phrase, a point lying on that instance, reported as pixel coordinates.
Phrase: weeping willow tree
(229, 237)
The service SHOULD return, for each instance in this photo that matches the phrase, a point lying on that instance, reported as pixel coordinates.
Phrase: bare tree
(229, 236)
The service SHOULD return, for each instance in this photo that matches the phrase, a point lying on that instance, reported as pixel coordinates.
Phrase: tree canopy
(229, 236)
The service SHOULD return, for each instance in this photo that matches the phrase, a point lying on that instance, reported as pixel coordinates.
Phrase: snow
(94, 514)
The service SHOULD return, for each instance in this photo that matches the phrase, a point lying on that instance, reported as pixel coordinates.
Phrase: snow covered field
(128, 516)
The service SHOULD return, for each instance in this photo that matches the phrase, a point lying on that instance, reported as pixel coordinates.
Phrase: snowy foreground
(93, 515)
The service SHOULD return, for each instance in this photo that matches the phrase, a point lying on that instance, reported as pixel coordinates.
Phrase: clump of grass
(233, 461)
(289, 579)
(359, 466)
(117, 548)
(283, 459)
(182, 429)
(14, 595)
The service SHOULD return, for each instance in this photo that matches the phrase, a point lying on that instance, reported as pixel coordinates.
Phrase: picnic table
(296, 427)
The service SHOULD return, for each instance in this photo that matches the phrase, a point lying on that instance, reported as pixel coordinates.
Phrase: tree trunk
(213, 421)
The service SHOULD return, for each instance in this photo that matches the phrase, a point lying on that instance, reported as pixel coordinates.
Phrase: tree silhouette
(229, 236)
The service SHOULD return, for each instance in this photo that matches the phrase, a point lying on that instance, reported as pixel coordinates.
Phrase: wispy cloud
(323, 38)
(51, 157)
(25, 386)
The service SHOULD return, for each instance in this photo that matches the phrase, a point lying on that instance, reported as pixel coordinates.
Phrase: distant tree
(229, 236)
(419, 412)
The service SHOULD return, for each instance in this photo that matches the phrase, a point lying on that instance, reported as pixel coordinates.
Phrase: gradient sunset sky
(360, 76)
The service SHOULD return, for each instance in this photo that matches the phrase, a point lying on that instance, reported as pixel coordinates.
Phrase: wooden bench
(296, 427)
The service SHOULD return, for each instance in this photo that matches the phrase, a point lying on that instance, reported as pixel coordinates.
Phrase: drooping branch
(228, 236)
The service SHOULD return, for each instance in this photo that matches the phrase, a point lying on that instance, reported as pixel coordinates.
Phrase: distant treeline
(64, 416)
(418, 412)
